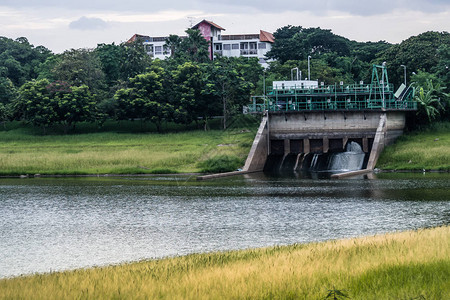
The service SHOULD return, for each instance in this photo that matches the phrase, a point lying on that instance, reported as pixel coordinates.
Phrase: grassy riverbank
(407, 265)
(428, 149)
(122, 151)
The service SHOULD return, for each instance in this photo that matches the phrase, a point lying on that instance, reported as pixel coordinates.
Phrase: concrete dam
(309, 126)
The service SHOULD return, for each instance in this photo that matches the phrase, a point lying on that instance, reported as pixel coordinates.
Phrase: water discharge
(350, 160)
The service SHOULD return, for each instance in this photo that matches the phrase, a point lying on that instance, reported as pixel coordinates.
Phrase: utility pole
(404, 76)
(309, 67)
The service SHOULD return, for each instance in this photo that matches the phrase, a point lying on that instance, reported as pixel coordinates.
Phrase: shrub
(220, 164)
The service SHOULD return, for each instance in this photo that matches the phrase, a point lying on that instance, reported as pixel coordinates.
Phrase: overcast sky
(61, 25)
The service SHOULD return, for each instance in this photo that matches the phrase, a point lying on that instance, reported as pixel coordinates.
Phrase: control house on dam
(337, 128)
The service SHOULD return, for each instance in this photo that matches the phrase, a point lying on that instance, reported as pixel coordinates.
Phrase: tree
(71, 104)
(297, 43)
(80, 67)
(194, 47)
(35, 104)
(430, 97)
(319, 70)
(173, 42)
(225, 82)
(8, 91)
(286, 46)
(419, 52)
(188, 84)
(19, 59)
(134, 60)
(442, 69)
(145, 98)
(110, 56)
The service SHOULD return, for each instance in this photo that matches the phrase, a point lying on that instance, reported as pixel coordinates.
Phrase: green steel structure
(378, 95)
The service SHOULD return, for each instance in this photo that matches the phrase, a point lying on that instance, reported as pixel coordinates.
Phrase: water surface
(57, 224)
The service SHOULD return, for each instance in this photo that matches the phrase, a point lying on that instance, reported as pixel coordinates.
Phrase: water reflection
(53, 224)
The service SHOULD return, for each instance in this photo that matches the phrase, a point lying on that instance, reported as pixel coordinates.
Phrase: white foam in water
(351, 160)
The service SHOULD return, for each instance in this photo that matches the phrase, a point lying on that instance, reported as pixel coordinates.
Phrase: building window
(262, 46)
(235, 46)
(249, 48)
(217, 47)
(158, 50)
(149, 48)
(226, 46)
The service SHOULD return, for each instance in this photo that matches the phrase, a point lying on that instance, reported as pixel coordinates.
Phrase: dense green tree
(286, 46)
(226, 83)
(194, 47)
(430, 96)
(45, 104)
(133, 60)
(188, 85)
(80, 67)
(442, 69)
(19, 59)
(297, 43)
(6, 112)
(35, 104)
(110, 56)
(419, 52)
(8, 91)
(173, 42)
(319, 70)
(145, 99)
(367, 51)
(72, 104)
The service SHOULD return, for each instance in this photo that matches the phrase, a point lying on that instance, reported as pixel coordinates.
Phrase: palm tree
(429, 102)
(173, 42)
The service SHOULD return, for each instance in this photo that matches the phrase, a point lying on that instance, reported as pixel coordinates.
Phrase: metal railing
(261, 104)
(249, 52)
(332, 97)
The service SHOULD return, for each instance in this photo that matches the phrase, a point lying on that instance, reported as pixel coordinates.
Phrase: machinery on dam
(307, 125)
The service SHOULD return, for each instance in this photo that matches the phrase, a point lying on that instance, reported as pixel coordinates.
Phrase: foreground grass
(428, 149)
(24, 152)
(408, 265)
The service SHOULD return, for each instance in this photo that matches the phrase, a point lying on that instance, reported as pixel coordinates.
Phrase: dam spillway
(286, 139)
(305, 122)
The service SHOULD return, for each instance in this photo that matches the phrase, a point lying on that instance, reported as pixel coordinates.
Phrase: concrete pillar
(306, 147)
(344, 142)
(287, 146)
(326, 145)
(365, 145)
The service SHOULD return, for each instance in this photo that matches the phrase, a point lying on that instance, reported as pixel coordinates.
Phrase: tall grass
(408, 265)
(22, 151)
(426, 149)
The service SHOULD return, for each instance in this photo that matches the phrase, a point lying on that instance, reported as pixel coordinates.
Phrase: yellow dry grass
(403, 265)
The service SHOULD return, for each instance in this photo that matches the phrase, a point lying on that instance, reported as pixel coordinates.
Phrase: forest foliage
(121, 82)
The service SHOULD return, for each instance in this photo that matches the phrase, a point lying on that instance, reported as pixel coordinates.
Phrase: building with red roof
(246, 45)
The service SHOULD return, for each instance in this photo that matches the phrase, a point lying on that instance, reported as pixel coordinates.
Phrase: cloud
(318, 7)
(85, 23)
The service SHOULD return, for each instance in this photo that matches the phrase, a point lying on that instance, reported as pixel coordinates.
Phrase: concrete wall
(333, 125)
(257, 157)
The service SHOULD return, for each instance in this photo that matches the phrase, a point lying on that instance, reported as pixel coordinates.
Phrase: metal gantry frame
(379, 94)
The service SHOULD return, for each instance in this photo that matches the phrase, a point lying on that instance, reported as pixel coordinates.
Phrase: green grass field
(407, 265)
(428, 149)
(134, 148)
(122, 151)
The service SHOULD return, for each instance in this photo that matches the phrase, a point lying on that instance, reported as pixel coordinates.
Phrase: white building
(246, 45)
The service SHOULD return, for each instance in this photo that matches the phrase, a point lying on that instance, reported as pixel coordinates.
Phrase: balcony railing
(249, 52)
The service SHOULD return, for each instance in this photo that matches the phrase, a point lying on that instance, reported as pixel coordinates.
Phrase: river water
(67, 223)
